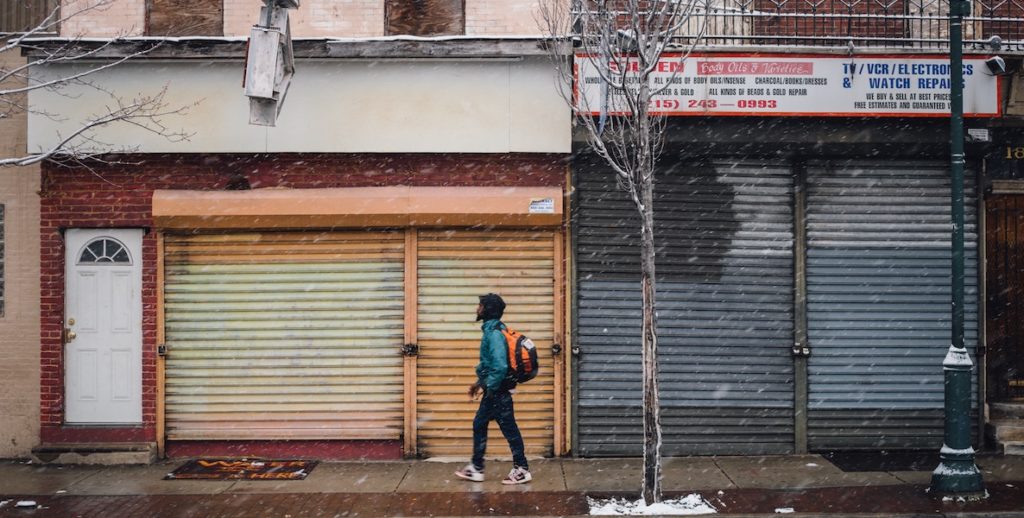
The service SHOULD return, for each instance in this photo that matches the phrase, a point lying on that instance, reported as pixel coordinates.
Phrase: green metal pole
(957, 474)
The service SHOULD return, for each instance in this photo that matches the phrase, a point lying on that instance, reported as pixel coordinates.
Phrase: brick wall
(98, 18)
(19, 324)
(314, 19)
(119, 196)
(503, 18)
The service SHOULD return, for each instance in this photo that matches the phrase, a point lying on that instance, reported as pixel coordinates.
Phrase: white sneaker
(470, 473)
(517, 476)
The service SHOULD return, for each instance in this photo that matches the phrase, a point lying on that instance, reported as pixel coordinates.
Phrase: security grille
(902, 24)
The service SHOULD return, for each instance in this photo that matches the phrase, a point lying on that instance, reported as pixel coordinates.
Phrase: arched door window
(104, 250)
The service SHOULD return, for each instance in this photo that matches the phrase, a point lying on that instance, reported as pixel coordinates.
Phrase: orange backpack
(522, 356)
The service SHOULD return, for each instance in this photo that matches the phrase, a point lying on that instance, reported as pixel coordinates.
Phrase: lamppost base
(960, 479)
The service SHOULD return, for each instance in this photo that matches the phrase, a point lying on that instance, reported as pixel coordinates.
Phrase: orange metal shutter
(284, 335)
(454, 267)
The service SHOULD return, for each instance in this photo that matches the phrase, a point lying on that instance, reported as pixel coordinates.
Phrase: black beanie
(494, 307)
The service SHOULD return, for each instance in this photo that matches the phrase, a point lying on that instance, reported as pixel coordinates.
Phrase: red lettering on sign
(633, 65)
(760, 68)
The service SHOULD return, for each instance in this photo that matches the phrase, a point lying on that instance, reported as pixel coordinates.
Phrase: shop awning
(359, 207)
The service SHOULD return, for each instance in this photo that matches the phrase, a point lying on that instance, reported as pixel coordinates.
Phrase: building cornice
(231, 48)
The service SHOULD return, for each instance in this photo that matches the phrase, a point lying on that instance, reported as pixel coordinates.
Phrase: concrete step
(1002, 430)
(1006, 410)
(1013, 448)
(107, 454)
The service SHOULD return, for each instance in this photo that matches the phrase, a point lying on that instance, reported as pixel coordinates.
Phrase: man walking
(492, 377)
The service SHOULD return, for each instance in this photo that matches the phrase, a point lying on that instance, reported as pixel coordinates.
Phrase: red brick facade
(119, 196)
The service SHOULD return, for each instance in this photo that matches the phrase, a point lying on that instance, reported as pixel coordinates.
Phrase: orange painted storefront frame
(359, 207)
(377, 207)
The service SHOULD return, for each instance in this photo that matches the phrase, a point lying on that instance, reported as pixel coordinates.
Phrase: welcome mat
(242, 469)
(901, 460)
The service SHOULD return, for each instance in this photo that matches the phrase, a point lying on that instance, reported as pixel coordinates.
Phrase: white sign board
(542, 206)
(796, 85)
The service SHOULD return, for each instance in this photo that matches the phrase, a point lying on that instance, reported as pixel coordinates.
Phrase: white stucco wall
(379, 106)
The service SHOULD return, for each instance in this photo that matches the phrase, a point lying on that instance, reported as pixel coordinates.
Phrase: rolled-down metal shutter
(725, 295)
(454, 267)
(878, 280)
(284, 335)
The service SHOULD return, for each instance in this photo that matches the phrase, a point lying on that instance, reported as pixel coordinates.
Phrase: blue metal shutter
(725, 297)
(879, 301)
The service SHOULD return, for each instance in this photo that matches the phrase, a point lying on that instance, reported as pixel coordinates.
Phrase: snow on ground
(689, 505)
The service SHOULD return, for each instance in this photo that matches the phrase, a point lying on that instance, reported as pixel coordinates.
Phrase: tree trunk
(649, 356)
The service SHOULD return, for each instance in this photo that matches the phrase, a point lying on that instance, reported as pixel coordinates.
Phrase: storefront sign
(788, 85)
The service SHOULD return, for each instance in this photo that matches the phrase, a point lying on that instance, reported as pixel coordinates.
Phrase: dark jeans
(497, 407)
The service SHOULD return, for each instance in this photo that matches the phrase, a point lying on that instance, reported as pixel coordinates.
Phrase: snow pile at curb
(689, 505)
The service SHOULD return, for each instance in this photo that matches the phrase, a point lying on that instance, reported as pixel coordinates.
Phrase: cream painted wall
(19, 324)
(386, 106)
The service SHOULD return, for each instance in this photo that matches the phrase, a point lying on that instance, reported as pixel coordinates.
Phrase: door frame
(132, 239)
(999, 188)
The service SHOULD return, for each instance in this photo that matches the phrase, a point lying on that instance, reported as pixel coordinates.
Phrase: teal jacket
(493, 366)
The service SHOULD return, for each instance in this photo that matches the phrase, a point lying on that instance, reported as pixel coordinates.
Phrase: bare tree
(622, 43)
(145, 112)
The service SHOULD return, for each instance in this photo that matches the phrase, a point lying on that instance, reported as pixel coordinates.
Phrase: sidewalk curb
(848, 502)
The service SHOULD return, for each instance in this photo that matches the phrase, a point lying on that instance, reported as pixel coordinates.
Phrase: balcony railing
(884, 24)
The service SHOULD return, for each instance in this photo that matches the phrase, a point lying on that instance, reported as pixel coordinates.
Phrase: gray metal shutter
(725, 298)
(285, 335)
(878, 261)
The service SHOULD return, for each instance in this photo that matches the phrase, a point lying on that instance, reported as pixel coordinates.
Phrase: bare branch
(77, 76)
(57, 16)
(621, 43)
(146, 113)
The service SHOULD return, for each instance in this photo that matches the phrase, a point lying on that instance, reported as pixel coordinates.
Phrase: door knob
(69, 335)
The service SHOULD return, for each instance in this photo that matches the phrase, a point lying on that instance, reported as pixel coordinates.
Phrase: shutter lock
(800, 350)
(410, 349)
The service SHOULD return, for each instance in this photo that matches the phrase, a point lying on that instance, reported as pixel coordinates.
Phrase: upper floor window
(25, 15)
(185, 18)
(424, 17)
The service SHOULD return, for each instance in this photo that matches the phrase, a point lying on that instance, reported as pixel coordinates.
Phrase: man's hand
(474, 389)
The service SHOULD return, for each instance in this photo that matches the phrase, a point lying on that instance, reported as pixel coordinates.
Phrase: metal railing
(883, 24)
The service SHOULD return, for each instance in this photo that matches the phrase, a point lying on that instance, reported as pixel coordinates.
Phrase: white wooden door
(103, 326)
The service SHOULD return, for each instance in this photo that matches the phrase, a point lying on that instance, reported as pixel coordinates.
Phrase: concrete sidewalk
(747, 486)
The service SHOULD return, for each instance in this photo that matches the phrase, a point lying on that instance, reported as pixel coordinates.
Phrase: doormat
(900, 460)
(242, 469)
